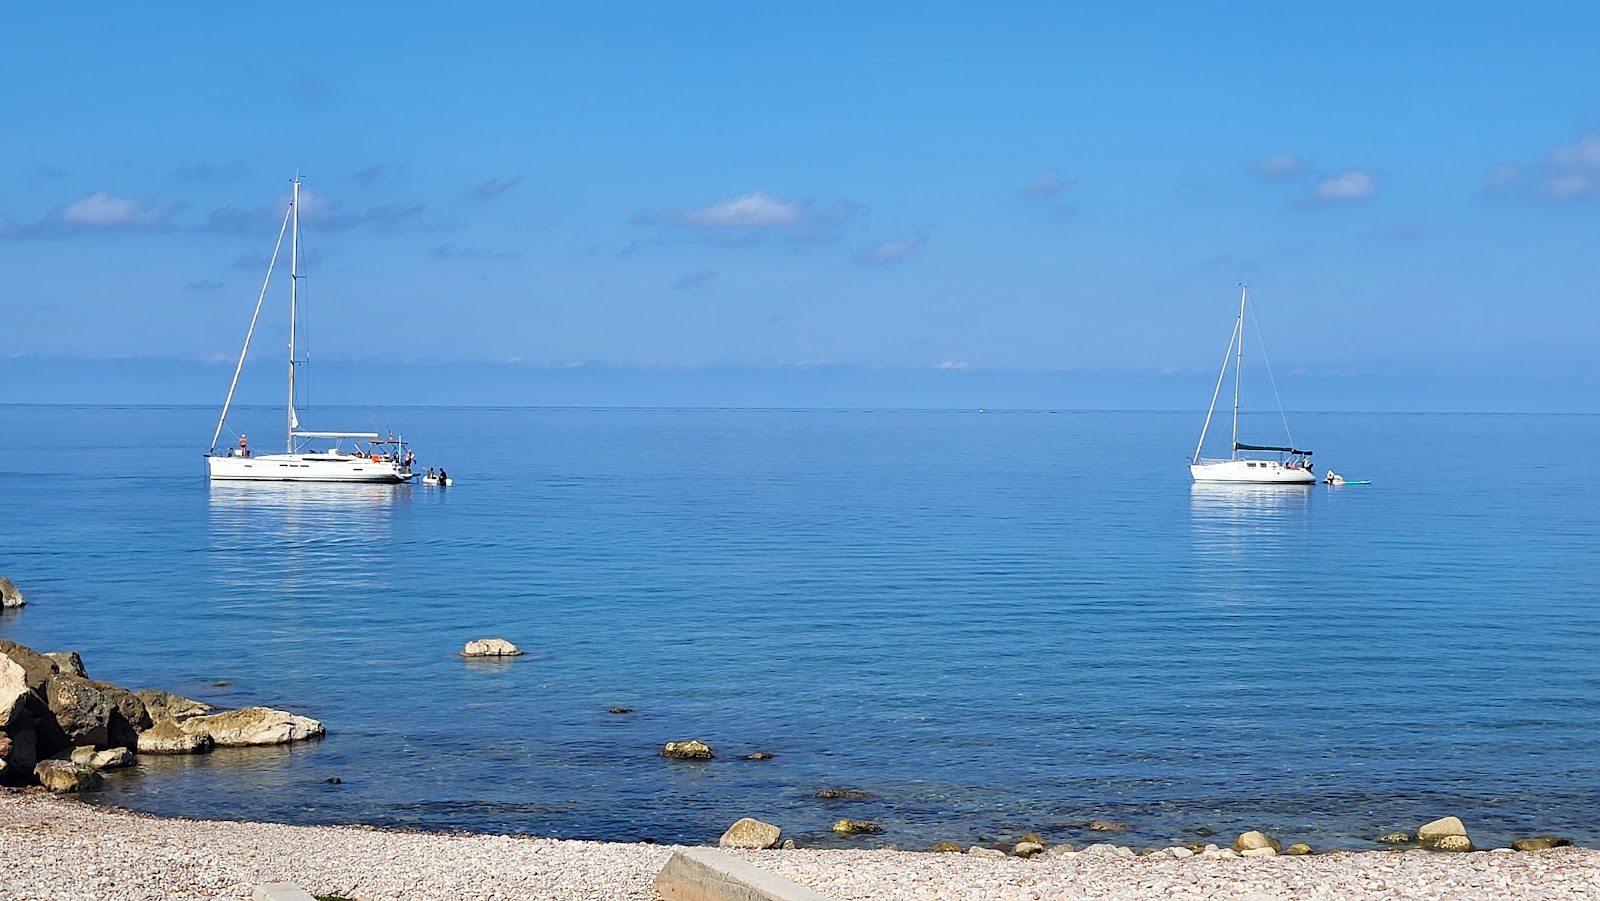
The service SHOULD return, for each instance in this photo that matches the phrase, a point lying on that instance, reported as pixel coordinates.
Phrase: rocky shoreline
(59, 728)
(62, 849)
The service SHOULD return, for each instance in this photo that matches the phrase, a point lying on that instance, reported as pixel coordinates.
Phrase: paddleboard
(1350, 482)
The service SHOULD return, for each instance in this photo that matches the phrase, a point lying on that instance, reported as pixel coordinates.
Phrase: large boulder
(1256, 844)
(67, 662)
(95, 713)
(491, 647)
(1444, 834)
(65, 776)
(81, 709)
(13, 690)
(166, 705)
(101, 760)
(750, 833)
(168, 737)
(10, 595)
(253, 726)
(21, 751)
(38, 667)
(688, 750)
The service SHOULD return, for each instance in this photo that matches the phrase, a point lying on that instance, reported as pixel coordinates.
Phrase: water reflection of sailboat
(288, 538)
(1228, 511)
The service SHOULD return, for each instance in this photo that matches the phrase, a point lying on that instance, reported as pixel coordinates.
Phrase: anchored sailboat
(1289, 466)
(371, 458)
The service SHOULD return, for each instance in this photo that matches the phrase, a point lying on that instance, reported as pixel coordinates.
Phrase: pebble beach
(60, 849)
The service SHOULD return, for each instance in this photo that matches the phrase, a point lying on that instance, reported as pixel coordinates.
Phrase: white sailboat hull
(1263, 472)
(306, 468)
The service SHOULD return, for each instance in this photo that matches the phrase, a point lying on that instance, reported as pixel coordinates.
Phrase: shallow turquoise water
(996, 622)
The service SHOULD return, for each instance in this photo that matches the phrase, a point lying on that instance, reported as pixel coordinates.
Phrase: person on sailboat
(244, 446)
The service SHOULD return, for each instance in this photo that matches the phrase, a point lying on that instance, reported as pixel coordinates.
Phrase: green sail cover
(1281, 450)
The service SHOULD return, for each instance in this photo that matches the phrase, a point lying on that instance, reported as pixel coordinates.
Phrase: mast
(1238, 366)
(294, 278)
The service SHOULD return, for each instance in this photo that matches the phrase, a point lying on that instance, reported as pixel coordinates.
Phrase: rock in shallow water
(947, 848)
(168, 737)
(1298, 848)
(1256, 841)
(1109, 826)
(838, 793)
(1027, 849)
(65, 776)
(688, 750)
(1397, 838)
(1444, 834)
(750, 833)
(166, 705)
(101, 760)
(10, 594)
(1542, 843)
(856, 827)
(491, 647)
(254, 726)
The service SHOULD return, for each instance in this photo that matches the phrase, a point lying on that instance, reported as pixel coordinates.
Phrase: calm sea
(994, 621)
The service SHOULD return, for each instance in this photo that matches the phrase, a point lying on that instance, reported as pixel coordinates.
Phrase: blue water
(996, 622)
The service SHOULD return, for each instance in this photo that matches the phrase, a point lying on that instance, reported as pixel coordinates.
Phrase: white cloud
(1348, 186)
(1047, 185)
(103, 211)
(1573, 172)
(754, 212)
(953, 364)
(1276, 166)
(890, 252)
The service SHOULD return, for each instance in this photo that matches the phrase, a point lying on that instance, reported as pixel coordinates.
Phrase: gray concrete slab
(706, 874)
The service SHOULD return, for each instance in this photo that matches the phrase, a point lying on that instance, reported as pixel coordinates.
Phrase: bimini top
(370, 436)
(1259, 447)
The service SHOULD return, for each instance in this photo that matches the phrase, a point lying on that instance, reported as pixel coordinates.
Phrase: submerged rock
(491, 647)
(65, 776)
(688, 750)
(10, 594)
(1541, 843)
(760, 755)
(620, 710)
(1397, 838)
(840, 793)
(253, 726)
(751, 834)
(857, 827)
(1109, 826)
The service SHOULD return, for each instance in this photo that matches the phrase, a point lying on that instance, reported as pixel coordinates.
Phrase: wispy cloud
(698, 277)
(371, 175)
(204, 285)
(316, 210)
(891, 252)
(452, 252)
(1573, 172)
(1279, 165)
(752, 215)
(96, 213)
(1047, 185)
(1345, 187)
(494, 187)
(953, 364)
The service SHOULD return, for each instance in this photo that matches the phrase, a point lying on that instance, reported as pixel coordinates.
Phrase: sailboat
(1248, 463)
(369, 458)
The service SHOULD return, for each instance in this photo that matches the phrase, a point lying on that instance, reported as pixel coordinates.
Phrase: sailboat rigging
(1290, 466)
(371, 458)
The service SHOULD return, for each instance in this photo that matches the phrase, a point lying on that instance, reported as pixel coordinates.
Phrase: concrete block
(706, 874)
(280, 891)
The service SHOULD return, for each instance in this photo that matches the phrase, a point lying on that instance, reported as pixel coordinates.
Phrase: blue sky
(1413, 189)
